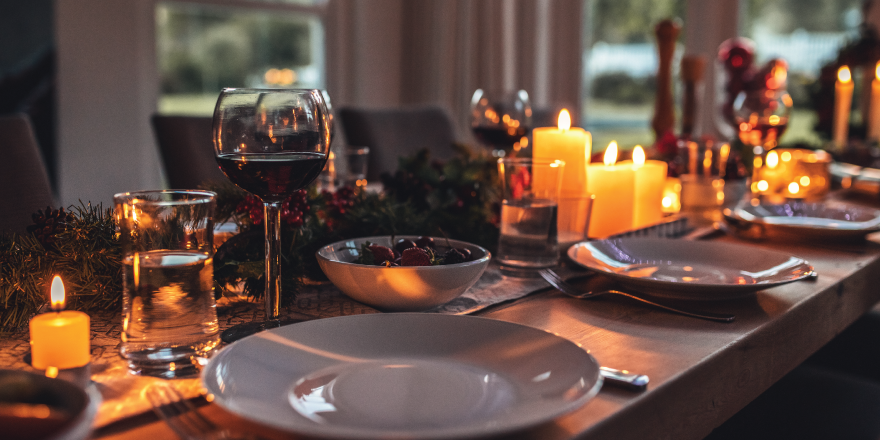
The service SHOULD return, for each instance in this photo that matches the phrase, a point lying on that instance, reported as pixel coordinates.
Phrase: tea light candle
(613, 187)
(59, 338)
(671, 201)
(650, 178)
(843, 91)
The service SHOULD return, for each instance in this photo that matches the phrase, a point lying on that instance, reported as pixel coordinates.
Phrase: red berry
(381, 254)
(415, 257)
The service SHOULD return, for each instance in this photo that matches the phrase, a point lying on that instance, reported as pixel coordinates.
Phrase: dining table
(701, 372)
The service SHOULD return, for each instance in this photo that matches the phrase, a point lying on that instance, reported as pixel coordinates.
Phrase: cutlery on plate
(624, 379)
(560, 284)
(183, 418)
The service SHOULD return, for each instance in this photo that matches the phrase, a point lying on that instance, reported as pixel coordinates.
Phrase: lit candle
(843, 91)
(672, 196)
(570, 145)
(59, 338)
(874, 113)
(650, 178)
(613, 186)
(573, 146)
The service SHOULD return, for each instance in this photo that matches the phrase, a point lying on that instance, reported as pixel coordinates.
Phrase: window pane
(807, 34)
(202, 49)
(621, 69)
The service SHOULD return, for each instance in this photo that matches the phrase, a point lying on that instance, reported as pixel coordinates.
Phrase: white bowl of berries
(403, 273)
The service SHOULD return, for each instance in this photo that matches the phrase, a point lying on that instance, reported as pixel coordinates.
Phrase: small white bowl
(400, 289)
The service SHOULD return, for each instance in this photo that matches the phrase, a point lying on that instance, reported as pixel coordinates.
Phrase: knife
(624, 379)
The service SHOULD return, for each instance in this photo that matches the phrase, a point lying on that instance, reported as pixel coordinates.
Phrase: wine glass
(271, 143)
(501, 120)
(762, 117)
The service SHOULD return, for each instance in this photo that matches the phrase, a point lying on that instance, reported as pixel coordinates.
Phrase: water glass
(169, 318)
(529, 234)
(356, 159)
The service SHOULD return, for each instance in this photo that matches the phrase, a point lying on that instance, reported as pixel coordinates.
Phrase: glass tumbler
(169, 315)
(529, 234)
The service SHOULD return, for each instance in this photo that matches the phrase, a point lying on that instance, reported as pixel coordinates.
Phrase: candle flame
(638, 156)
(564, 121)
(844, 75)
(611, 154)
(772, 159)
(877, 71)
(56, 293)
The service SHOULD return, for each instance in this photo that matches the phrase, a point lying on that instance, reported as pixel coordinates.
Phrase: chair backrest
(24, 181)
(187, 150)
(392, 133)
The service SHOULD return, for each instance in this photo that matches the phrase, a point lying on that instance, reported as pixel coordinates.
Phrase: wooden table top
(701, 372)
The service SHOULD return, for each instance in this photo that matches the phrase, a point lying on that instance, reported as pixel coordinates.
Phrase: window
(202, 47)
(807, 34)
(621, 69)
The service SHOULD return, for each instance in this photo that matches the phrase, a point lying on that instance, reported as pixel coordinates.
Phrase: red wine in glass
(272, 176)
(271, 143)
(498, 137)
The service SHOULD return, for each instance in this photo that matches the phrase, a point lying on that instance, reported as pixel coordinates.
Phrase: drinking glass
(169, 315)
(529, 234)
(357, 159)
(271, 143)
(762, 117)
(500, 120)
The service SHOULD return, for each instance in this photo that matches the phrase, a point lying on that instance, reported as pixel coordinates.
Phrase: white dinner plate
(402, 375)
(811, 219)
(689, 269)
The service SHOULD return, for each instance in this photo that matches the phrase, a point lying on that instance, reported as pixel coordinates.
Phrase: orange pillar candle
(570, 145)
(613, 186)
(650, 179)
(59, 338)
(843, 92)
(874, 112)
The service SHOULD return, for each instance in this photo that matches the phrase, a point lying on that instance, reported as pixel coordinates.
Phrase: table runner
(121, 391)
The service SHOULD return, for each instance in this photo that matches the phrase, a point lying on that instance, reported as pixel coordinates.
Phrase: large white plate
(689, 269)
(402, 376)
(811, 219)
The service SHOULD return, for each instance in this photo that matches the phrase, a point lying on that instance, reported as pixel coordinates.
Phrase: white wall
(107, 90)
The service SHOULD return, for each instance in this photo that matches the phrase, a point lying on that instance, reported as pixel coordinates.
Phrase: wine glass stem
(272, 214)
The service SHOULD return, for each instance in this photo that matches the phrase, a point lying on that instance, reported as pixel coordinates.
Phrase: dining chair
(24, 181)
(186, 147)
(392, 133)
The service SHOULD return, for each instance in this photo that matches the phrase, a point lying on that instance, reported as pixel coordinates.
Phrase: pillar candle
(573, 146)
(570, 145)
(650, 179)
(613, 187)
(59, 338)
(874, 112)
(843, 91)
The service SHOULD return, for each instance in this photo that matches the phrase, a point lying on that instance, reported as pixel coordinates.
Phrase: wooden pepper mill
(664, 110)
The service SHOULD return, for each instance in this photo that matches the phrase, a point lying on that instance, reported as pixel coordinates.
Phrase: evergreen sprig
(86, 255)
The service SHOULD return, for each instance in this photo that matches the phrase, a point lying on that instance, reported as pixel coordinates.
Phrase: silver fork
(556, 281)
(182, 416)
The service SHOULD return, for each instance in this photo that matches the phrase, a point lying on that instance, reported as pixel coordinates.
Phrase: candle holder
(702, 185)
(790, 173)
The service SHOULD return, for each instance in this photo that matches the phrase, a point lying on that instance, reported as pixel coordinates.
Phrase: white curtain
(385, 53)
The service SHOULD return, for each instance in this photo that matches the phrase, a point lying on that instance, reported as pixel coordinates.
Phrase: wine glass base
(244, 330)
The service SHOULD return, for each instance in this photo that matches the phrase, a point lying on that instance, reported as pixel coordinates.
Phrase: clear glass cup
(530, 190)
(356, 160)
(169, 317)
